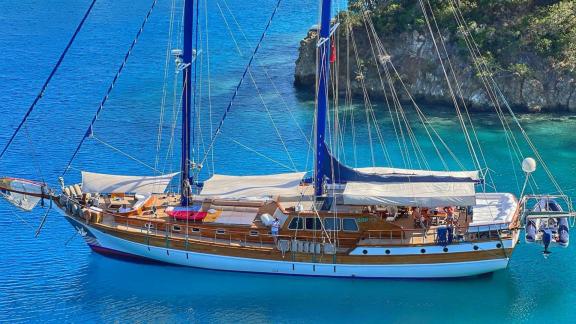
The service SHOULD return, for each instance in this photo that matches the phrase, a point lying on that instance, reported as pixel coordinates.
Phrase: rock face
(415, 58)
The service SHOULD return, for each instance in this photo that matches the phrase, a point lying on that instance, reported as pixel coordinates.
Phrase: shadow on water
(168, 292)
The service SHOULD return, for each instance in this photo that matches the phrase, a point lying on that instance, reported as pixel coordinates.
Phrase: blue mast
(185, 178)
(322, 96)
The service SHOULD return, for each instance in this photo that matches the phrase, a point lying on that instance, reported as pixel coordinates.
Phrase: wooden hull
(459, 264)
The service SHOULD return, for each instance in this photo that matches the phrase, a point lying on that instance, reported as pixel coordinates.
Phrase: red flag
(332, 51)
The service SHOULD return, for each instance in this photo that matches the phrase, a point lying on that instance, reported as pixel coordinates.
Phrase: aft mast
(323, 77)
(186, 179)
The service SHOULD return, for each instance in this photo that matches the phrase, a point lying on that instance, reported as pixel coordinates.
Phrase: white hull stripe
(228, 263)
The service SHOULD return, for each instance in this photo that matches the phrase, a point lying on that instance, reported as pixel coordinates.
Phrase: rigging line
(472, 46)
(459, 90)
(367, 22)
(165, 84)
(169, 157)
(400, 138)
(452, 93)
(33, 153)
(504, 122)
(265, 70)
(422, 117)
(360, 79)
(260, 154)
(195, 84)
(52, 73)
(231, 102)
(89, 130)
(276, 129)
(425, 121)
(484, 72)
(124, 153)
(349, 100)
(209, 82)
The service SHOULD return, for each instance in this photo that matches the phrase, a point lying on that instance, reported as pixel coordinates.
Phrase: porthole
(475, 247)
(220, 231)
(195, 229)
(254, 233)
(364, 251)
(498, 245)
(176, 228)
(387, 251)
(423, 251)
(445, 249)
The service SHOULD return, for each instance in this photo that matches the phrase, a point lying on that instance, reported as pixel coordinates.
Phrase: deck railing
(461, 234)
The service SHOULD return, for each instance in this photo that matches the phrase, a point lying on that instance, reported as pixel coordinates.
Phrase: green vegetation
(506, 31)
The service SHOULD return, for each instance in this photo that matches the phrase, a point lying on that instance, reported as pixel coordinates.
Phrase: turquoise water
(55, 277)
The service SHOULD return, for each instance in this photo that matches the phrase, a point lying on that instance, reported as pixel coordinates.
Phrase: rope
(260, 65)
(423, 119)
(209, 82)
(293, 169)
(450, 88)
(125, 154)
(89, 131)
(276, 129)
(165, 84)
(52, 73)
(229, 107)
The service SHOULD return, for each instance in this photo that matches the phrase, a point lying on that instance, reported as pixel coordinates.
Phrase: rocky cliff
(528, 81)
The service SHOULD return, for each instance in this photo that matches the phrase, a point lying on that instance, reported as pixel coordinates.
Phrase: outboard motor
(530, 231)
(553, 205)
(546, 239)
(563, 232)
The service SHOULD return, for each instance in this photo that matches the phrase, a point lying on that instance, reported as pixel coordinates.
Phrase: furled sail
(425, 194)
(109, 183)
(224, 186)
(381, 171)
(340, 173)
(24, 194)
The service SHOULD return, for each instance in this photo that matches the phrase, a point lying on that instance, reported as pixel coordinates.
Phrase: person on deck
(449, 215)
(275, 228)
(419, 219)
(124, 209)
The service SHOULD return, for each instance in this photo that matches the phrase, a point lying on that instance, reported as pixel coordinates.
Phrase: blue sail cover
(337, 172)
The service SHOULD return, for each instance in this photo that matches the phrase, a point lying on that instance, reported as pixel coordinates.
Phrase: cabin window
(349, 225)
(296, 223)
(332, 224)
(220, 231)
(149, 226)
(176, 228)
(313, 224)
(195, 230)
(254, 233)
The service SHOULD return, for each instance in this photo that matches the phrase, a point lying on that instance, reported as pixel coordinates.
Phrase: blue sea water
(56, 278)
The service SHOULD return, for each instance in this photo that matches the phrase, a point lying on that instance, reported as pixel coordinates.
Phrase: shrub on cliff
(505, 30)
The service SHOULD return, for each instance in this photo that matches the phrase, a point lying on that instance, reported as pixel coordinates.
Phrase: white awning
(109, 183)
(493, 210)
(474, 175)
(223, 186)
(425, 194)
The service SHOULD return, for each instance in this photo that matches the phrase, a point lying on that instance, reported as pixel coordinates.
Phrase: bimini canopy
(223, 186)
(425, 194)
(109, 183)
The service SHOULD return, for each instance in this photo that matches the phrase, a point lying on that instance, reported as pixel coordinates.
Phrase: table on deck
(116, 203)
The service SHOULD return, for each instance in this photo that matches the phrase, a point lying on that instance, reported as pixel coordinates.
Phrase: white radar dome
(529, 165)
